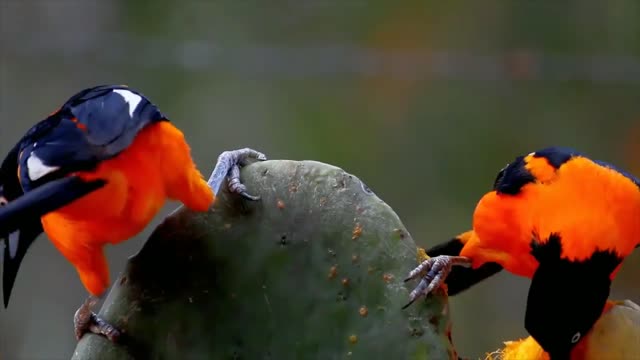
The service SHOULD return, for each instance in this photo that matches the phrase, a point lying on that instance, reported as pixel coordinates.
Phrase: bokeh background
(423, 100)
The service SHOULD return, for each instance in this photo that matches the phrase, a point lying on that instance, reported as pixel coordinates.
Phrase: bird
(555, 216)
(96, 172)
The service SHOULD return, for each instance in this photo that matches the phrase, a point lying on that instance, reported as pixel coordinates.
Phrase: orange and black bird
(95, 172)
(555, 216)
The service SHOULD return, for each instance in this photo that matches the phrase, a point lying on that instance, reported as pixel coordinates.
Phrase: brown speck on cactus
(333, 272)
(357, 231)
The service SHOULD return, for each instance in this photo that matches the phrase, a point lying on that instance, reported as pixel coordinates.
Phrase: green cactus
(313, 270)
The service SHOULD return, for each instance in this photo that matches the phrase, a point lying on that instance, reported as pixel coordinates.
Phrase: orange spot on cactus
(357, 231)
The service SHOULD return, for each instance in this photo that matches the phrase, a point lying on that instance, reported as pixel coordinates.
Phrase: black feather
(23, 215)
(92, 126)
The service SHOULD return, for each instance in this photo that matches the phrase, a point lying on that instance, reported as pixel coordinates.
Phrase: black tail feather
(20, 221)
(42, 200)
(11, 264)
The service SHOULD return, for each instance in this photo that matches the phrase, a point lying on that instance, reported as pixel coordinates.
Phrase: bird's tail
(20, 220)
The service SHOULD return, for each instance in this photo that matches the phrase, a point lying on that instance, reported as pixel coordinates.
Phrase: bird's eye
(3, 201)
(575, 338)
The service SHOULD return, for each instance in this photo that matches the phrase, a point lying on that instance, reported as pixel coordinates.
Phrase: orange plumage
(591, 206)
(156, 166)
(555, 216)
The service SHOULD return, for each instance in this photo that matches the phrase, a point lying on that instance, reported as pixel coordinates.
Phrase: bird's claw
(434, 271)
(86, 320)
(236, 186)
(228, 167)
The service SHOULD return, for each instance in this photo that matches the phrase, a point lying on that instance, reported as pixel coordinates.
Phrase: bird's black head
(567, 317)
(566, 297)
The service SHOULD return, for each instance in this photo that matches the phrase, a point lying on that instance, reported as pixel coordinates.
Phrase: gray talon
(99, 326)
(86, 320)
(228, 167)
(434, 272)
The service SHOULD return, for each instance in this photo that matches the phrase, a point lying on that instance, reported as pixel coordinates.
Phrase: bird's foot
(85, 320)
(434, 271)
(228, 167)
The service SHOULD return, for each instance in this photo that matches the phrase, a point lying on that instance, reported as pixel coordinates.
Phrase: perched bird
(96, 172)
(559, 218)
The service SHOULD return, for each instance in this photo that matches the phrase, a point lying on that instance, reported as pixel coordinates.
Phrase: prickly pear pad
(311, 271)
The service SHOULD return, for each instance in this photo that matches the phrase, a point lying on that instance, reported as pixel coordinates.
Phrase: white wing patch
(130, 98)
(37, 169)
(13, 243)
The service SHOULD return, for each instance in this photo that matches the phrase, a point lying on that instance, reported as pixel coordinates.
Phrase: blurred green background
(423, 100)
